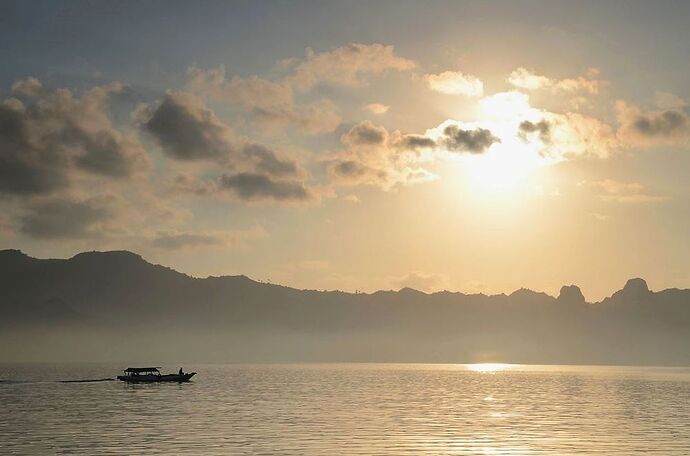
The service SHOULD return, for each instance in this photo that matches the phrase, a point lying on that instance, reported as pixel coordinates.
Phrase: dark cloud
(57, 133)
(267, 161)
(26, 169)
(662, 124)
(414, 142)
(349, 168)
(382, 174)
(57, 218)
(365, 134)
(256, 186)
(542, 127)
(107, 153)
(473, 141)
(186, 130)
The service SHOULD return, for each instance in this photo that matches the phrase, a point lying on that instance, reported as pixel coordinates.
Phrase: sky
(467, 146)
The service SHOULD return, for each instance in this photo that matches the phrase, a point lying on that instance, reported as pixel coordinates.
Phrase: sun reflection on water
(489, 368)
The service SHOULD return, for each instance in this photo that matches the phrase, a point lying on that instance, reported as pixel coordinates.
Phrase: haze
(110, 306)
(463, 146)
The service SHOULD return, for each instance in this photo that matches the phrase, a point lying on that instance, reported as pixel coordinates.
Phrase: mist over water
(392, 409)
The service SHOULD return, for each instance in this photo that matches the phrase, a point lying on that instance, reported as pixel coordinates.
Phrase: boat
(153, 375)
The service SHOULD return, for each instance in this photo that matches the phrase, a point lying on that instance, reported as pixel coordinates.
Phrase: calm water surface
(357, 409)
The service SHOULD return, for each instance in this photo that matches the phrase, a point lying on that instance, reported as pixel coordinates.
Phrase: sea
(347, 409)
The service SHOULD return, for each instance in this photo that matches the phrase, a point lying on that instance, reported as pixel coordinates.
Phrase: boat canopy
(142, 369)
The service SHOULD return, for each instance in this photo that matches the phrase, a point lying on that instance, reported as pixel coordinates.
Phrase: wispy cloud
(455, 83)
(197, 239)
(376, 108)
(530, 80)
(623, 192)
(422, 281)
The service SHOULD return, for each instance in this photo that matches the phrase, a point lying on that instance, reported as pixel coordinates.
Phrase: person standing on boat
(181, 373)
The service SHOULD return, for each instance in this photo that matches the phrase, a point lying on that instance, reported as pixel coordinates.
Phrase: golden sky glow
(472, 156)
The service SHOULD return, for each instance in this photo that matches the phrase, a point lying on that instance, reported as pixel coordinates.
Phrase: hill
(117, 306)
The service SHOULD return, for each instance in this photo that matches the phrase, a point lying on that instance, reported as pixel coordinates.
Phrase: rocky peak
(636, 286)
(634, 291)
(571, 294)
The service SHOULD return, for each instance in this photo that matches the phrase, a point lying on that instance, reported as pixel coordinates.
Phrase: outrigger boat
(152, 375)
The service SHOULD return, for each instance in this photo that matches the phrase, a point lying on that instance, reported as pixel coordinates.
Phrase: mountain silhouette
(117, 306)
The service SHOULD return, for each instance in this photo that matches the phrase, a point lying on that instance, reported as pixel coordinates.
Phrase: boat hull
(156, 378)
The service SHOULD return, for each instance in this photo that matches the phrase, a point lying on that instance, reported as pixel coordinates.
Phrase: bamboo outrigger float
(153, 375)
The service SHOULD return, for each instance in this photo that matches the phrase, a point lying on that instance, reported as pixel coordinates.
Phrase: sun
(506, 167)
(510, 163)
(488, 368)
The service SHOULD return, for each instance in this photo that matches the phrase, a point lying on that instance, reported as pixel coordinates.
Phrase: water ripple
(348, 409)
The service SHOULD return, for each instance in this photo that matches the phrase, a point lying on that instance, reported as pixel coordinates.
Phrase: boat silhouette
(153, 375)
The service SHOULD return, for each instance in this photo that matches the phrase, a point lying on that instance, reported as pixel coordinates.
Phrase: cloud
(530, 80)
(526, 79)
(649, 128)
(6, 228)
(381, 172)
(25, 167)
(365, 134)
(273, 102)
(30, 87)
(267, 161)
(43, 143)
(455, 83)
(269, 102)
(176, 240)
(376, 157)
(347, 65)
(252, 92)
(543, 128)
(314, 118)
(376, 108)
(262, 187)
(665, 100)
(413, 142)
(585, 83)
(186, 130)
(623, 192)
(600, 217)
(569, 136)
(506, 106)
(62, 218)
(422, 281)
(666, 123)
(351, 169)
(474, 141)
(189, 184)
(510, 125)
(353, 199)
(575, 135)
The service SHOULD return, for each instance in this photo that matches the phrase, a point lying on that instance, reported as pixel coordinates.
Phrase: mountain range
(116, 306)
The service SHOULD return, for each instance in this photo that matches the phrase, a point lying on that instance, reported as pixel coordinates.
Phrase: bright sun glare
(505, 167)
(489, 368)
(509, 163)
